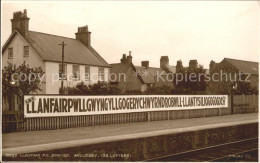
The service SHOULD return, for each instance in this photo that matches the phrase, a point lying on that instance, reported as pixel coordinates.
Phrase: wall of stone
(143, 148)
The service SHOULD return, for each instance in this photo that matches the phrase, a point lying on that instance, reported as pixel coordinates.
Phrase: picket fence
(14, 120)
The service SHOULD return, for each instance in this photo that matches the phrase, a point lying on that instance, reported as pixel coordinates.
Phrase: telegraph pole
(62, 65)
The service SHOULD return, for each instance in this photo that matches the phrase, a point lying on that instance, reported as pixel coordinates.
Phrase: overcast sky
(202, 30)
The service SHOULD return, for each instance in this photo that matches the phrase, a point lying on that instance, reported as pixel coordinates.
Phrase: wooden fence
(242, 104)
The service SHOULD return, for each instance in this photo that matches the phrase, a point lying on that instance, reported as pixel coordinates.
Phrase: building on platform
(129, 77)
(82, 62)
(246, 68)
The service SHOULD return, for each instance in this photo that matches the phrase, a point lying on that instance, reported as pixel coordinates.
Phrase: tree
(245, 88)
(133, 92)
(100, 88)
(163, 90)
(189, 80)
(21, 79)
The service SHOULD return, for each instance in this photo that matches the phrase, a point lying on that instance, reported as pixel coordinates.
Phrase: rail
(221, 152)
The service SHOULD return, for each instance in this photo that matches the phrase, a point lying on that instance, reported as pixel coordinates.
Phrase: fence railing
(242, 104)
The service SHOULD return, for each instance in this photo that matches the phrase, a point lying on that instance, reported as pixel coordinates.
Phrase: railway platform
(104, 136)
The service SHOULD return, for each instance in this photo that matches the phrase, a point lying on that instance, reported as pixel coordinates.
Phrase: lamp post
(13, 83)
(233, 87)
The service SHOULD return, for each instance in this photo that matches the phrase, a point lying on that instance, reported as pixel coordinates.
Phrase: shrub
(164, 90)
(133, 92)
(100, 88)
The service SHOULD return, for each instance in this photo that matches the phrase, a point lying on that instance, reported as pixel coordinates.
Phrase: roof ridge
(116, 63)
(98, 55)
(52, 53)
(155, 67)
(53, 35)
(148, 67)
(240, 60)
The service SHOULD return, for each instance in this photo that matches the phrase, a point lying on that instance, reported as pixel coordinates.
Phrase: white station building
(81, 61)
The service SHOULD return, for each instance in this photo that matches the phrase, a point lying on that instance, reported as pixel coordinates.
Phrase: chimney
(179, 66)
(164, 62)
(123, 60)
(145, 64)
(193, 64)
(129, 57)
(212, 65)
(20, 22)
(83, 35)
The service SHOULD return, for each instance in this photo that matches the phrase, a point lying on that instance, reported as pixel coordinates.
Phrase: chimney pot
(164, 62)
(124, 59)
(25, 13)
(193, 64)
(145, 64)
(83, 35)
(20, 22)
(212, 65)
(179, 66)
(129, 58)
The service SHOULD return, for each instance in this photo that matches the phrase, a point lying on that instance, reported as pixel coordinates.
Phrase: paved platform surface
(20, 139)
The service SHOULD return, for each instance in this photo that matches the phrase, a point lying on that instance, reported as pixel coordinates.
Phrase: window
(64, 75)
(101, 74)
(26, 51)
(87, 73)
(75, 72)
(10, 53)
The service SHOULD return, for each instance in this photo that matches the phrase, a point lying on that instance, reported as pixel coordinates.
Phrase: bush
(100, 88)
(133, 92)
(181, 91)
(197, 83)
(27, 79)
(164, 90)
(245, 88)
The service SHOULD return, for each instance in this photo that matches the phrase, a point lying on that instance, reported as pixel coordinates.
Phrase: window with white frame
(64, 75)
(75, 72)
(87, 73)
(101, 74)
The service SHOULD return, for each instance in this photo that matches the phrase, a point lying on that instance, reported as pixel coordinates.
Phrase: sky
(202, 30)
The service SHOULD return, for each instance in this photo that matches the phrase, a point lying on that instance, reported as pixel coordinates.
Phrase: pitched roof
(47, 46)
(244, 66)
(118, 68)
(148, 75)
(172, 69)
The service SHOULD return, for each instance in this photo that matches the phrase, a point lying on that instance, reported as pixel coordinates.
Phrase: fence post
(255, 108)
(148, 116)
(232, 100)
(93, 120)
(219, 111)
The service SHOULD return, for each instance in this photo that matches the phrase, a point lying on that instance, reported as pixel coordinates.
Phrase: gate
(12, 113)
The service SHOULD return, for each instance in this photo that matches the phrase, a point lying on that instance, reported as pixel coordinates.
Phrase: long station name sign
(55, 105)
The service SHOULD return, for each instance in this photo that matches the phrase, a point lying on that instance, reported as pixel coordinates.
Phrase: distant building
(129, 77)
(193, 64)
(43, 50)
(228, 65)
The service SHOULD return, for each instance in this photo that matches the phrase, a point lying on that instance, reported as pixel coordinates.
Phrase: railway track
(244, 150)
